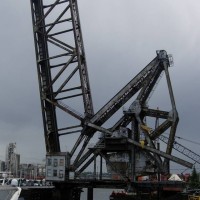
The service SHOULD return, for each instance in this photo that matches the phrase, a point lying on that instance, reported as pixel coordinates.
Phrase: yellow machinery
(193, 197)
(145, 129)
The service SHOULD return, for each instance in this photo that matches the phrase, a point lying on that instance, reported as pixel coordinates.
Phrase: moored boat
(9, 192)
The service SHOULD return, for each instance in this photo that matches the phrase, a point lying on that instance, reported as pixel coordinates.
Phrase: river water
(99, 194)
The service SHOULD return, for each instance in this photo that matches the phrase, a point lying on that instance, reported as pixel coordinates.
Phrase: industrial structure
(129, 146)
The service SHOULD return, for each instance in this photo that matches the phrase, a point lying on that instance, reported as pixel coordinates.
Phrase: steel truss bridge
(67, 106)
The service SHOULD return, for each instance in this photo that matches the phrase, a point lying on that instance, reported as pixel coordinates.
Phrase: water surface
(99, 194)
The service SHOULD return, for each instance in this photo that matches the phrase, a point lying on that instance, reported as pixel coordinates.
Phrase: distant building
(15, 161)
(27, 171)
(12, 160)
(14, 168)
(32, 171)
(24, 172)
(2, 166)
(10, 149)
(41, 171)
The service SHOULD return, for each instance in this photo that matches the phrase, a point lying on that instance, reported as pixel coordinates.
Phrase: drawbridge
(128, 146)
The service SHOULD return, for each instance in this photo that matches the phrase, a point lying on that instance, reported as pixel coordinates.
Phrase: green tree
(194, 179)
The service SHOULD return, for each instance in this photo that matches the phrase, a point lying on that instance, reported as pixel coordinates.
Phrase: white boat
(9, 192)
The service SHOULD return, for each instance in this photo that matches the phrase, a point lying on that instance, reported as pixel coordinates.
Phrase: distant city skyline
(29, 159)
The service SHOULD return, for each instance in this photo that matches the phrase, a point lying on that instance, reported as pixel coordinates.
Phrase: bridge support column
(63, 193)
(90, 193)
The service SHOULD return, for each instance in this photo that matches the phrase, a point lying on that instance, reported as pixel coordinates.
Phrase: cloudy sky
(121, 38)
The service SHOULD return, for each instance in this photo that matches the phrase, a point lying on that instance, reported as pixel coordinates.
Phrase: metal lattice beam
(60, 58)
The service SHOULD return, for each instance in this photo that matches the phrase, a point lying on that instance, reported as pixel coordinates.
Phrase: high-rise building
(15, 161)
(2, 166)
(12, 160)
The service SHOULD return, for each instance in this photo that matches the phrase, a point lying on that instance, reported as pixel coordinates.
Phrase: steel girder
(60, 56)
(182, 149)
(145, 89)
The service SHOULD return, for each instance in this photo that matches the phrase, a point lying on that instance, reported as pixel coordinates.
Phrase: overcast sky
(121, 38)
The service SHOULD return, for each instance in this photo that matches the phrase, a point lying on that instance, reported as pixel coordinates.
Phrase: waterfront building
(32, 171)
(23, 170)
(41, 171)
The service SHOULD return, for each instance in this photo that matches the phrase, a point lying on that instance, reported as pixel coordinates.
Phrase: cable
(187, 140)
(198, 143)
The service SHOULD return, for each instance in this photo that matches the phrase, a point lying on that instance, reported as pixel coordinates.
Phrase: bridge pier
(63, 193)
(90, 193)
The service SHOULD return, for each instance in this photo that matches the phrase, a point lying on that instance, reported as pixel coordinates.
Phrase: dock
(53, 192)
